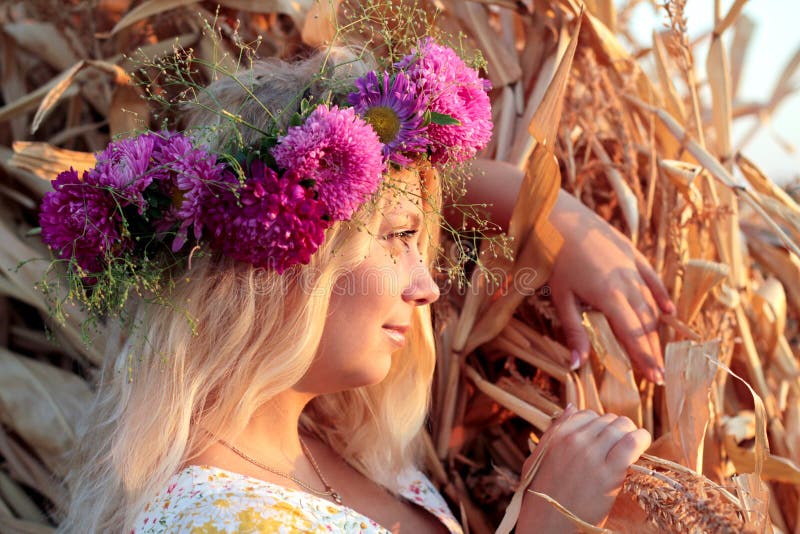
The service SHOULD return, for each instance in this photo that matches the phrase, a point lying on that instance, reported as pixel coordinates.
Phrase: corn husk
(575, 109)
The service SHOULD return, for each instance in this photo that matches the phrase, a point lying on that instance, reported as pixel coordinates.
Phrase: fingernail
(575, 361)
(658, 377)
(670, 307)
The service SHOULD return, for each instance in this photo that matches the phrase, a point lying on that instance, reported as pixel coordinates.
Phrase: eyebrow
(412, 218)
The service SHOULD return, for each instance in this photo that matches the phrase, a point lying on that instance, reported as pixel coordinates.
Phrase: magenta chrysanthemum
(270, 221)
(190, 175)
(340, 152)
(454, 89)
(79, 220)
(125, 166)
(395, 111)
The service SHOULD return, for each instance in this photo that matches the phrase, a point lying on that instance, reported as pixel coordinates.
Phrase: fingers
(612, 439)
(628, 449)
(572, 323)
(576, 422)
(617, 441)
(636, 330)
(569, 425)
(644, 306)
(569, 421)
(568, 412)
(611, 433)
(654, 283)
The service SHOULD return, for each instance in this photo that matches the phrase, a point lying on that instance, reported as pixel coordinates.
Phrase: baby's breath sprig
(388, 30)
(264, 191)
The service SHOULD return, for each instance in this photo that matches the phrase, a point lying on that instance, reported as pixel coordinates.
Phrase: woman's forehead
(403, 204)
(403, 189)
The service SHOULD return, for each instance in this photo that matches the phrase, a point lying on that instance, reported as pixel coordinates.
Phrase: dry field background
(649, 150)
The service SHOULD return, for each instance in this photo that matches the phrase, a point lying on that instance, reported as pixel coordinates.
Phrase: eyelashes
(405, 236)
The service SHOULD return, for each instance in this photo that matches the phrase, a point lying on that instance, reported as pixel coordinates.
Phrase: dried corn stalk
(639, 151)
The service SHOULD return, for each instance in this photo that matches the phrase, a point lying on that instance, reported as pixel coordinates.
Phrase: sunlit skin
(367, 316)
(371, 307)
(622, 283)
(586, 457)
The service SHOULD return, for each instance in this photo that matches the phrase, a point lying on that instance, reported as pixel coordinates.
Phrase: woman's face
(371, 306)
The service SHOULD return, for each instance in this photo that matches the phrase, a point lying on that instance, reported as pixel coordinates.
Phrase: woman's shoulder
(209, 499)
(417, 488)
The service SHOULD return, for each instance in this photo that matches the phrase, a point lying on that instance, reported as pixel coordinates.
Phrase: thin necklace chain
(329, 491)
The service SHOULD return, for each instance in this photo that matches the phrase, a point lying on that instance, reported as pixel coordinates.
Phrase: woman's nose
(421, 289)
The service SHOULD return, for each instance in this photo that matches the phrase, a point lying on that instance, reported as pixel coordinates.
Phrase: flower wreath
(270, 204)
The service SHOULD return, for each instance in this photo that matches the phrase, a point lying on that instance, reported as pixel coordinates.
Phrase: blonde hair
(236, 337)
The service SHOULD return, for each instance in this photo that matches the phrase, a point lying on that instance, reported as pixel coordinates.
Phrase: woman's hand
(597, 265)
(601, 267)
(586, 457)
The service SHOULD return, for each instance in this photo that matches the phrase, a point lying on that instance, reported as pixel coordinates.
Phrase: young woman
(286, 386)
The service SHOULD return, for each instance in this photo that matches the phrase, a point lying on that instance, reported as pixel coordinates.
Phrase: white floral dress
(210, 500)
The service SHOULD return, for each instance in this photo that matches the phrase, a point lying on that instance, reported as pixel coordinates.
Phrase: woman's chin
(374, 374)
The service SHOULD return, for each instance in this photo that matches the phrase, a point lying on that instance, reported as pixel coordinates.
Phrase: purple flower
(80, 220)
(189, 176)
(340, 152)
(396, 112)
(454, 89)
(270, 221)
(125, 166)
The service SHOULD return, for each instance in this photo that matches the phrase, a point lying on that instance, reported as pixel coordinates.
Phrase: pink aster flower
(395, 111)
(80, 220)
(270, 221)
(453, 89)
(189, 175)
(338, 151)
(125, 167)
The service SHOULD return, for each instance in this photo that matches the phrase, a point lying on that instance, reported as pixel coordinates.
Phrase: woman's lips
(396, 333)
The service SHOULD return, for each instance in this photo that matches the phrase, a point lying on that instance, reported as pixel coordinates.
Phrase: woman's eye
(405, 236)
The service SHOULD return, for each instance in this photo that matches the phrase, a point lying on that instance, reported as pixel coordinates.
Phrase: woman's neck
(269, 446)
(273, 429)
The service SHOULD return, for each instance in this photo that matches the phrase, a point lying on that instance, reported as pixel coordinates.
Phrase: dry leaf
(42, 404)
(544, 124)
(742, 37)
(700, 277)
(19, 501)
(43, 40)
(533, 415)
(718, 72)
(148, 9)
(580, 525)
(743, 428)
(618, 391)
(505, 67)
(47, 161)
(58, 89)
(690, 370)
(128, 113)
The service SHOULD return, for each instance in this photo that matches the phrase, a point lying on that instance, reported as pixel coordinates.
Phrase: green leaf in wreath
(443, 119)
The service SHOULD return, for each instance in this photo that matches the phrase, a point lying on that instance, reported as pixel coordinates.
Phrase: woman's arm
(596, 265)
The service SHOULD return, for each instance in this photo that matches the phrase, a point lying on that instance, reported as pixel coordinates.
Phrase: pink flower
(79, 220)
(453, 89)
(270, 221)
(338, 151)
(189, 177)
(126, 168)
